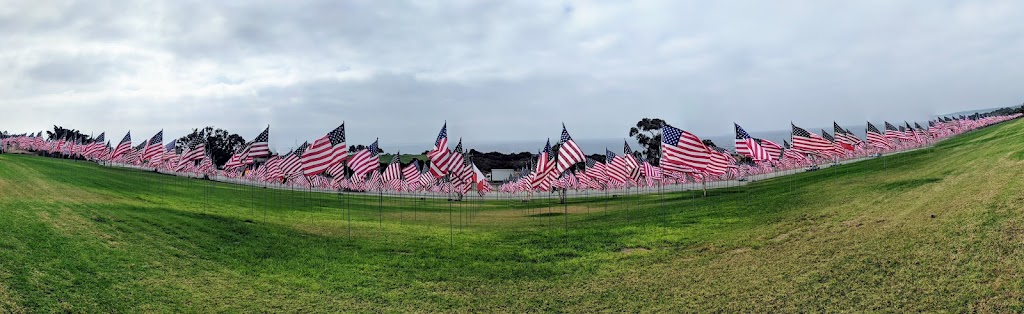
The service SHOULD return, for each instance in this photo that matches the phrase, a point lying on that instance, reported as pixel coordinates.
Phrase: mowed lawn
(938, 229)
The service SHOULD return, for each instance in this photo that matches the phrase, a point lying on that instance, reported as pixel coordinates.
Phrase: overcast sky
(498, 70)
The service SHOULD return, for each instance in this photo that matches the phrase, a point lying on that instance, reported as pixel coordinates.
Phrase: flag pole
(451, 221)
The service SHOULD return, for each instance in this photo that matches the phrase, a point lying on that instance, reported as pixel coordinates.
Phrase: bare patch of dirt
(740, 250)
(634, 250)
(783, 237)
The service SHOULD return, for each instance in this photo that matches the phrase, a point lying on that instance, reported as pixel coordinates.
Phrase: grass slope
(937, 229)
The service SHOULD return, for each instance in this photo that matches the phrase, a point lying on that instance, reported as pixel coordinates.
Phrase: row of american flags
(327, 164)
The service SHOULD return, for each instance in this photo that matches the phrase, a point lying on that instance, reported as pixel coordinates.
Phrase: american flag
(597, 170)
(325, 152)
(411, 175)
(836, 146)
(170, 149)
(234, 162)
(877, 139)
(96, 145)
(426, 178)
(910, 133)
(123, 147)
(259, 147)
(154, 148)
(292, 164)
(773, 149)
(365, 160)
(807, 141)
(465, 178)
(892, 133)
(720, 162)
(194, 153)
(456, 163)
(439, 156)
(852, 137)
(136, 154)
(748, 146)
(542, 175)
(273, 170)
(393, 172)
(168, 153)
(632, 163)
(569, 153)
(844, 139)
(682, 151)
(651, 172)
(375, 183)
(921, 132)
(615, 167)
(791, 155)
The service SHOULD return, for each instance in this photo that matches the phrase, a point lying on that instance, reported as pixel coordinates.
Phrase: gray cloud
(498, 70)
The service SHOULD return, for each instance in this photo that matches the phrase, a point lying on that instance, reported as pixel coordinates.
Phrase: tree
(647, 133)
(220, 144)
(356, 148)
(67, 134)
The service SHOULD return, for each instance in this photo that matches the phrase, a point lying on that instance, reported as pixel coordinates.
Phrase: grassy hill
(405, 158)
(937, 229)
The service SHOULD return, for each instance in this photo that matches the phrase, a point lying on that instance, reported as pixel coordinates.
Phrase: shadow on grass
(904, 185)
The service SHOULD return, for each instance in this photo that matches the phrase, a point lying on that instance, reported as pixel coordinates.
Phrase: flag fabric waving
(439, 156)
(807, 141)
(154, 147)
(569, 153)
(877, 139)
(365, 161)
(325, 152)
(681, 151)
(259, 147)
(747, 146)
(292, 164)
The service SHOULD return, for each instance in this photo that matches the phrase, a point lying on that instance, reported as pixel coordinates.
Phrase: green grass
(405, 158)
(938, 229)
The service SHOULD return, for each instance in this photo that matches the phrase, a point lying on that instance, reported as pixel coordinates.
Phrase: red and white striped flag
(682, 151)
(569, 153)
(807, 141)
(439, 156)
(365, 161)
(748, 146)
(154, 147)
(325, 152)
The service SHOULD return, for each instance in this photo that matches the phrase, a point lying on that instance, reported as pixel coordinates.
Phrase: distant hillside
(970, 112)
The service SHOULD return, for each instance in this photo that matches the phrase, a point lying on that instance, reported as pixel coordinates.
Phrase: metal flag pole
(451, 220)
(380, 206)
(308, 199)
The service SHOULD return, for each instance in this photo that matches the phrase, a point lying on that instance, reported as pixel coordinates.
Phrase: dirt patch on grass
(740, 250)
(784, 236)
(904, 185)
(634, 250)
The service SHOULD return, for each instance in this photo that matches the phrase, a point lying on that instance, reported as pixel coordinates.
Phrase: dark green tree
(356, 148)
(220, 144)
(70, 135)
(647, 133)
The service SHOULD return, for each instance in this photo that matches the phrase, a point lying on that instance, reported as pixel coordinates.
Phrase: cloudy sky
(498, 70)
